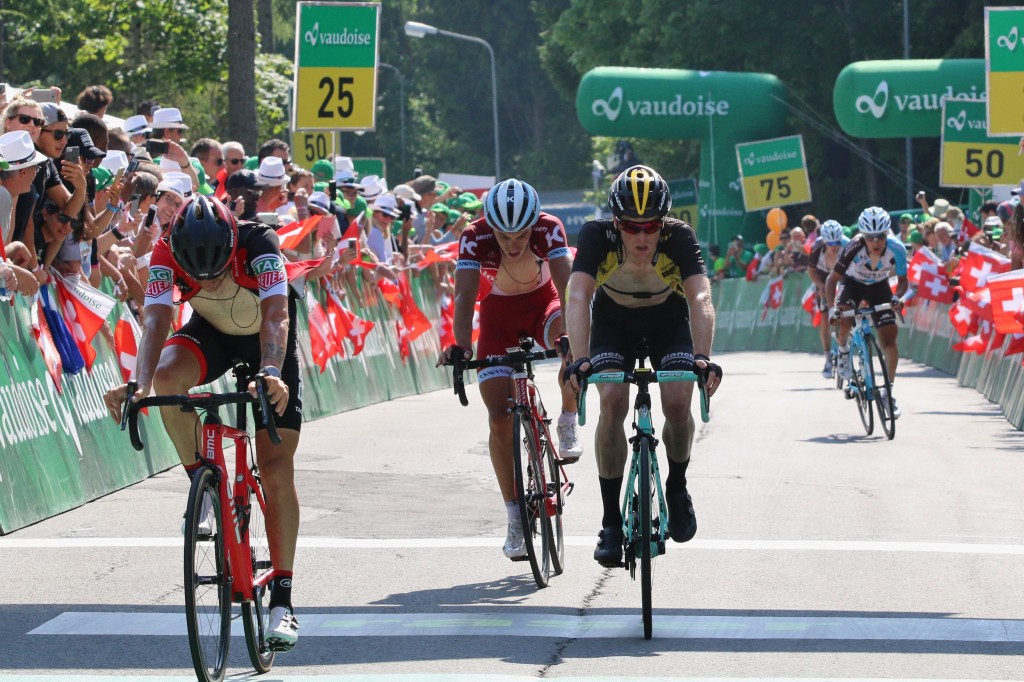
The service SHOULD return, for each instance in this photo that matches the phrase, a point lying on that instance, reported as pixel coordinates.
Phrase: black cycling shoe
(609, 547)
(682, 522)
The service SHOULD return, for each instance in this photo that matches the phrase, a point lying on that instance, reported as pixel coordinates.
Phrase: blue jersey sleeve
(899, 254)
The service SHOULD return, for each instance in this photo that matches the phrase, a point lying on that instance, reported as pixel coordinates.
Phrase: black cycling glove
(574, 370)
(711, 367)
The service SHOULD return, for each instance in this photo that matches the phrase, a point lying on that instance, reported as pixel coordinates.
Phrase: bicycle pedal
(525, 557)
(566, 460)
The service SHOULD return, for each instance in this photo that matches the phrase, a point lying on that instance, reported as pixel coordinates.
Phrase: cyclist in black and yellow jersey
(640, 276)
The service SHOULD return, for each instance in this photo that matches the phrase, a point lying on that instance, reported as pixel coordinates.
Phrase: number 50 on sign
(335, 66)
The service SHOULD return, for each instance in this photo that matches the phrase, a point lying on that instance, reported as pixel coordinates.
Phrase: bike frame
(859, 335)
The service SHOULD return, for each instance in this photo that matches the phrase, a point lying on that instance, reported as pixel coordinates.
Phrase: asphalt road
(821, 553)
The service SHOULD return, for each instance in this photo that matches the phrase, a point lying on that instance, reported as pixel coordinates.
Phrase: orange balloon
(772, 238)
(776, 219)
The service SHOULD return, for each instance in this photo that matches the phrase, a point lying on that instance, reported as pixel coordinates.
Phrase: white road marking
(312, 542)
(416, 677)
(563, 627)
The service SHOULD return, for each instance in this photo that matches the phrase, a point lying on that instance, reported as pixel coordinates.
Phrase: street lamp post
(415, 29)
(401, 111)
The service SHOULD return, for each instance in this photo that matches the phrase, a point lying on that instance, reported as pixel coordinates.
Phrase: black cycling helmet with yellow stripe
(639, 194)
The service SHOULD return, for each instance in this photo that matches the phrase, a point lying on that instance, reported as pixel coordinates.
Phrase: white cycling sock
(512, 509)
(844, 349)
(566, 417)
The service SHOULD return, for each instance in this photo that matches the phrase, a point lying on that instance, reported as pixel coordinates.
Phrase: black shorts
(218, 352)
(851, 293)
(616, 331)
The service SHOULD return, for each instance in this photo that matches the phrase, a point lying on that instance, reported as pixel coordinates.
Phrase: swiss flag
(980, 302)
(347, 324)
(963, 319)
(1015, 345)
(935, 286)
(924, 259)
(85, 310)
(979, 265)
(49, 349)
(391, 292)
(448, 251)
(1007, 292)
(127, 335)
(447, 321)
(972, 344)
(403, 340)
(322, 340)
(772, 296)
(412, 317)
(430, 256)
(292, 234)
(810, 304)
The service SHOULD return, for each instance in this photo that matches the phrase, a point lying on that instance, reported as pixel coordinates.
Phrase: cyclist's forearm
(830, 288)
(702, 324)
(274, 333)
(577, 314)
(156, 323)
(467, 282)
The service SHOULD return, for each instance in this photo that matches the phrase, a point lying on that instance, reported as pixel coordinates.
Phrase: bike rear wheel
(206, 580)
(646, 524)
(836, 374)
(256, 613)
(555, 502)
(531, 494)
(861, 378)
(883, 399)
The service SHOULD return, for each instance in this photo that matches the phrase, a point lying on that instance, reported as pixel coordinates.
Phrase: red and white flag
(963, 319)
(321, 337)
(979, 265)
(771, 297)
(292, 234)
(127, 336)
(980, 302)
(1014, 345)
(51, 356)
(85, 310)
(935, 286)
(1007, 291)
(810, 304)
(346, 324)
(924, 259)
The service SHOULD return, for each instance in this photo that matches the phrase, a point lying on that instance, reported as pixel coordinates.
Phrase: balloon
(776, 219)
(772, 238)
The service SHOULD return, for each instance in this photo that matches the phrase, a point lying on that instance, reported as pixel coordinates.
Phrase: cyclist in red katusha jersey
(234, 277)
(516, 261)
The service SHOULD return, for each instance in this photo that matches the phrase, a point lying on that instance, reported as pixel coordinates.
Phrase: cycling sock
(844, 349)
(281, 589)
(512, 509)
(567, 417)
(611, 488)
(191, 469)
(676, 475)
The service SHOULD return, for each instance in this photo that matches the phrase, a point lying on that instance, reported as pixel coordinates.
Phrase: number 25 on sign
(335, 98)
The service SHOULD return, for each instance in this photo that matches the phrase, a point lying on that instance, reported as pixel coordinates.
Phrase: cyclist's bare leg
(825, 331)
(610, 439)
(495, 394)
(678, 433)
(176, 374)
(845, 323)
(887, 340)
(277, 474)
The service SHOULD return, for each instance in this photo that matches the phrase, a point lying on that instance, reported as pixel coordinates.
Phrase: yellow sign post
(309, 146)
(336, 66)
(773, 173)
(969, 156)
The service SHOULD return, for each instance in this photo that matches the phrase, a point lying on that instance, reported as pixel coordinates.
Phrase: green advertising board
(684, 201)
(335, 66)
(903, 98)
(970, 156)
(717, 107)
(773, 172)
(370, 166)
(1004, 70)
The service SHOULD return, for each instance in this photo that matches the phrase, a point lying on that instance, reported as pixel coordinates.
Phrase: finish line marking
(468, 677)
(116, 624)
(576, 541)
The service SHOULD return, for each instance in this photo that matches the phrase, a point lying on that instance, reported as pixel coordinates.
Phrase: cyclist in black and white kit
(824, 253)
(640, 275)
(862, 274)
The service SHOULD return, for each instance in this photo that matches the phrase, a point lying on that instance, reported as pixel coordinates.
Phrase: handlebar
(193, 401)
(867, 310)
(645, 377)
(522, 355)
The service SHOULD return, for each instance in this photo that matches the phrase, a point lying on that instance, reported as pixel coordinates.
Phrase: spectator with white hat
(168, 125)
(381, 242)
(372, 186)
(271, 178)
(356, 207)
(20, 162)
(278, 148)
(114, 161)
(137, 128)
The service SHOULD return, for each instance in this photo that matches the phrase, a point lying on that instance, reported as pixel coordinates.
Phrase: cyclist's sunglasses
(25, 119)
(833, 243)
(649, 227)
(876, 237)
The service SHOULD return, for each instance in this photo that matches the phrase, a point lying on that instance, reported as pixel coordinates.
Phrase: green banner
(1004, 73)
(333, 34)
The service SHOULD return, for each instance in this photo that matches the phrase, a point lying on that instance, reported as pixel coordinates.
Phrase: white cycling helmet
(874, 220)
(831, 232)
(511, 206)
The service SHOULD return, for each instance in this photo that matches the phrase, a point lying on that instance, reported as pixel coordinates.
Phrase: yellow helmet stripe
(640, 195)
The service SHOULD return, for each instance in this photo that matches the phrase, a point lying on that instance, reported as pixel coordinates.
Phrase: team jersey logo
(269, 271)
(161, 280)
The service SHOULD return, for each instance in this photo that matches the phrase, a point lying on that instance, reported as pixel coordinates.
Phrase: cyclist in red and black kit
(516, 260)
(234, 277)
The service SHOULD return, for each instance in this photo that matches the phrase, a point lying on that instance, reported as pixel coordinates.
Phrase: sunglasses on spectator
(62, 218)
(57, 134)
(649, 227)
(25, 119)
(234, 162)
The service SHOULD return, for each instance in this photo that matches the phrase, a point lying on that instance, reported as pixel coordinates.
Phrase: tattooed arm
(273, 341)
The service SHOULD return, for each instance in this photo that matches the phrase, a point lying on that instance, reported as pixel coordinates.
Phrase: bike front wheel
(207, 583)
(883, 398)
(531, 493)
(554, 502)
(256, 612)
(861, 383)
(646, 519)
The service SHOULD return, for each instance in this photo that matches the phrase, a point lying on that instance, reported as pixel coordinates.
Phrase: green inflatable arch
(903, 98)
(718, 108)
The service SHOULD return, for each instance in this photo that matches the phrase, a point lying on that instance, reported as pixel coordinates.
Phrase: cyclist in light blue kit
(861, 273)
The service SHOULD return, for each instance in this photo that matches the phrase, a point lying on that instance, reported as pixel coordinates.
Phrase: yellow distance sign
(330, 98)
(775, 189)
(309, 146)
(969, 155)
